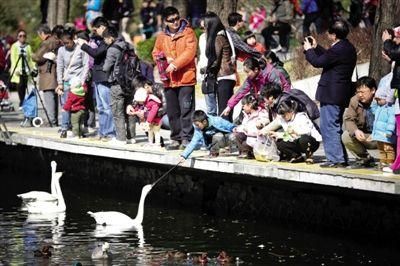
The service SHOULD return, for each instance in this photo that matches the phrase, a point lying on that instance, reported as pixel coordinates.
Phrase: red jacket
(152, 104)
(74, 103)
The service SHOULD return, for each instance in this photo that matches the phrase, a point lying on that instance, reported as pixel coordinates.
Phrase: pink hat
(397, 32)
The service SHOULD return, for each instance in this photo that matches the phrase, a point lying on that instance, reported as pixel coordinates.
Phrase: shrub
(144, 49)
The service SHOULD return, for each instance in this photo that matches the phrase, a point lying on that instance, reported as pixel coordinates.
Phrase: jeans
(65, 115)
(125, 126)
(331, 119)
(50, 99)
(211, 103)
(103, 100)
(180, 106)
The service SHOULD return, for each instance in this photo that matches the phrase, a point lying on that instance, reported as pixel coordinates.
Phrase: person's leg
(356, 147)
(150, 134)
(243, 147)
(331, 118)
(157, 136)
(211, 103)
(288, 149)
(396, 164)
(173, 112)
(81, 120)
(50, 100)
(219, 140)
(21, 88)
(186, 104)
(131, 127)
(75, 123)
(306, 25)
(103, 101)
(118, 110)
(388, 148)
(65, 115)
(308, 145)
(90, 115)
(225, 92)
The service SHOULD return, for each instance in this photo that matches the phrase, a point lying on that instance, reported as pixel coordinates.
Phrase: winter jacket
(241, 46)
(216, 124)
(74, 103)
(267, 75)
(338, 62)
(15, 52)
(182, 47)
(99, 56)
(309, 6)
(250, 121)
(355, 116)
(300, 124)
(393, 51)
(384, 123)
(112, 58)
(79, 66)
(152, 105)
(223, 65)
(47, 80)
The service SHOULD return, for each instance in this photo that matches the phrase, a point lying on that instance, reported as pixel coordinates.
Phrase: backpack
(306, 104)
(127, 67)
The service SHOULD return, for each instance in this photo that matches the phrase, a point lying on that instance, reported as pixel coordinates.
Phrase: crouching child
(299, 133)
(212, 131)
(75, 104)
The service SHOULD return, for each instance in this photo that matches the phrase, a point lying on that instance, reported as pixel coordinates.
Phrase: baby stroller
(5, 104)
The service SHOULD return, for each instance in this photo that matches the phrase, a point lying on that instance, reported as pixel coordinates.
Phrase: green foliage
(144, 49)
(16, 14)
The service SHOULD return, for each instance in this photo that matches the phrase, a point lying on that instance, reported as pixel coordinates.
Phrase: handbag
(265, 149)
(209, 84)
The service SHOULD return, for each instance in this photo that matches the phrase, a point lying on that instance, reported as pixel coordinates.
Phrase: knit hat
(140, 95)
(397, 32)
(76, 86)
(248, 34)
(384, 90)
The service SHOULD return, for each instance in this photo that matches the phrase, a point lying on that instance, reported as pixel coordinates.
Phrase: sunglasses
(22, 35)
(173, 20)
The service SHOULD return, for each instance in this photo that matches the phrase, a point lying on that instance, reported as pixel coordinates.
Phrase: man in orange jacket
(178, 42)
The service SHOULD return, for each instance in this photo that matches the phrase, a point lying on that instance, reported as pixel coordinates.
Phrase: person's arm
(243, 91)
(274, 125)
(188, 55)
(14, 57)
(85, 70)
(111, 58)
(196, 141)
(31, 64)
(38, 55)
(60, 65)
(392, 50)
(350, 117)
(240, 45)
(322, 60)
(157, 48)
(100, 51)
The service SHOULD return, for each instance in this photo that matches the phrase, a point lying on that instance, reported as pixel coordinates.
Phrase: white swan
(41, 195)
(120, 219)
(49, 206)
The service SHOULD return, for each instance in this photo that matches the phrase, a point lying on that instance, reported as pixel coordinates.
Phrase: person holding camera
(334, 88)
(21, 54)
(45, 58)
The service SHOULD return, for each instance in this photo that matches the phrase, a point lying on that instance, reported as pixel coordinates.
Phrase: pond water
(74, 235)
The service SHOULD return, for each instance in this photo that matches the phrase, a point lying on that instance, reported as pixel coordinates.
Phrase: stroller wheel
(37, 121)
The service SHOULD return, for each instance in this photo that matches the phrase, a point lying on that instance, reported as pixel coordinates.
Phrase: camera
(34, 73)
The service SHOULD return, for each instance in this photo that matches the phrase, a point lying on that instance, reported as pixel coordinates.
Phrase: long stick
(166, 173)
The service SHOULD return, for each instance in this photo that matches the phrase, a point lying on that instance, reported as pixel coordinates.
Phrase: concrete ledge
(366, 180)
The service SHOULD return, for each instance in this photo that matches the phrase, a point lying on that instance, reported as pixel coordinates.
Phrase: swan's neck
(53, 188)
(61, 203)
(139, 216)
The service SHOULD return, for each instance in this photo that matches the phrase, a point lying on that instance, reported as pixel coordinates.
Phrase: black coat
(338, 64)
(393, 51)
(99, 56)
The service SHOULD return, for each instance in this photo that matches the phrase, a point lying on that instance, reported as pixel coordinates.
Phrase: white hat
(140, 95)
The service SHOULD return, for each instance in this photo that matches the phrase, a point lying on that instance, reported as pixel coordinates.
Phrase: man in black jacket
(334, 88)
(100, 78)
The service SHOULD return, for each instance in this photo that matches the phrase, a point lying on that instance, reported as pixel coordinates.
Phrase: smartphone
(310, 40)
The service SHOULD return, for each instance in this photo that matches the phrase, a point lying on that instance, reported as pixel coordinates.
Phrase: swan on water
(117, 218)
(49, 206)
(42, 195)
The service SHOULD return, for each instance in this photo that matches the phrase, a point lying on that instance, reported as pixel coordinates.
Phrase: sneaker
(116, 142)
(213, 154)
(387, 170)
(299, 159)
(333, 165)
(63, 134)
(130, 141)
(20, 108)
(363, 163)
(174, 145)
(183, 145)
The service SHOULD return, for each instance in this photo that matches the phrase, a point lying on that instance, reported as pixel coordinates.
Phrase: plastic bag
(265, 149)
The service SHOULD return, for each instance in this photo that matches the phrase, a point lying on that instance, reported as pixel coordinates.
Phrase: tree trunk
(387, 16)
(57, 12)
(52, 13)
(222, 8)
(62, 7)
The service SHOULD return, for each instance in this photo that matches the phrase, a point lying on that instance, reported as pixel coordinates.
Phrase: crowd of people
(79, 71)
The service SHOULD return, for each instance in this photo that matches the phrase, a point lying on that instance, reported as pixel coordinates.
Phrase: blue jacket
(384, 123)
(216, 124)
(337, 65)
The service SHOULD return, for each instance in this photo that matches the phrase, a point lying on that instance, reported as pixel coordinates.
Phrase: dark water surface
(74, 235)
